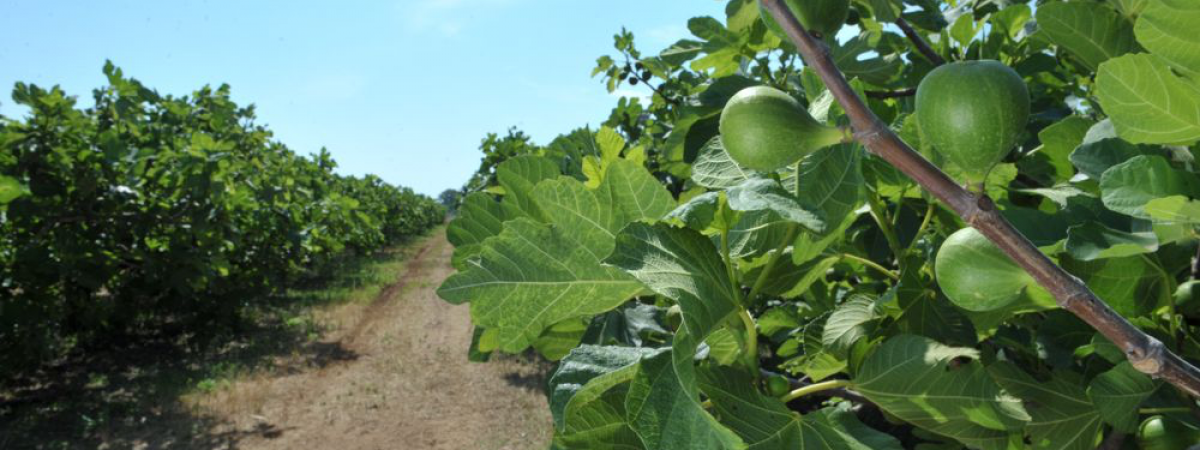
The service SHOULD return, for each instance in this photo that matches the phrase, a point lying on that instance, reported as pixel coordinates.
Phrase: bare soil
(405, 382)
(388, 373)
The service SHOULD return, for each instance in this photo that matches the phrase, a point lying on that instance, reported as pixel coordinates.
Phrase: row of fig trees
(149, 211)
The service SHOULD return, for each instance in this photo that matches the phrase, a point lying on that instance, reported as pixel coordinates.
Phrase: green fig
(1187, 298)
(821, 17)
(778, 386)
(973, 112)
(1164, 433)
(976, 275)
(765, 129)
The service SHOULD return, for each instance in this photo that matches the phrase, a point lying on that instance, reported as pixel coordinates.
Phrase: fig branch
(1144, 352)
(919, 42)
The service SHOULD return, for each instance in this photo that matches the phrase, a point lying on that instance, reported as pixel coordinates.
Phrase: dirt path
(402, 381)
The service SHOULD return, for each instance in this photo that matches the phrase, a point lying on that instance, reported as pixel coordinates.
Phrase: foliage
(147, 209)
(827, 270)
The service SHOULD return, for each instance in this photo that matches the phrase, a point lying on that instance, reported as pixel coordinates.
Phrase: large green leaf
(1063, 415)
(663, 407)
(1102, 148)
(634, 193)
(1127, 187)
(715, 169)
(911, 378)
(533, 275)
(1147, 102)
(681, 264)
(1118, 393)
(519, 175)
(1131, 8)
(759, 194)
(1091, 31)
(831, 179)
(767, 424)
(595, 416)
(698, 212)
(758, 232)
(557, 341)
(790, 280)
(479, 217)
(1167, 28)
(1132, 285)
(1175, 208)
(1094, 240)
(584, 364)
(848, 323)
(816, 363)
(1060, 139)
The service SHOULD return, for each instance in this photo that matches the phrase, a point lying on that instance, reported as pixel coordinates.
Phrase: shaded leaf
(1118, 393)
(1063, 416)
(910, 377)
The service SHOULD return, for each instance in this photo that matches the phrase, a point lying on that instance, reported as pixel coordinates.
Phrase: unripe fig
(972, 112)
(976, 275)
(765, 129)
(821, 17)
(1164, 433)
(778, 386)
(1187, 298)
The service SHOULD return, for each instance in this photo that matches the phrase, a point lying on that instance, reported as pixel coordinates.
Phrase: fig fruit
(765, 129)
(972, 112)
(778, 386)
(821, 17)
(976, 275)
(1187, 298)
(1164, 433)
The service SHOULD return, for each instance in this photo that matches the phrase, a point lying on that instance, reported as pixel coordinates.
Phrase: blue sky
(404, 89)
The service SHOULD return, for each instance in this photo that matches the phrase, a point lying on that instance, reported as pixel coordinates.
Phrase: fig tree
(821, 17)
(976, 275)
(766, 129)
(972, 112)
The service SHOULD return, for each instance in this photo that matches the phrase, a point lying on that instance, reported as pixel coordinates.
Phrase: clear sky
(404, 89)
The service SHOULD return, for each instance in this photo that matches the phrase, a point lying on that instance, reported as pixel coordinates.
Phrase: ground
(386, 373)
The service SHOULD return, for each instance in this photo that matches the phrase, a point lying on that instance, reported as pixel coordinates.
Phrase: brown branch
(919, 42)
(1144, 352)
(906, 92)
